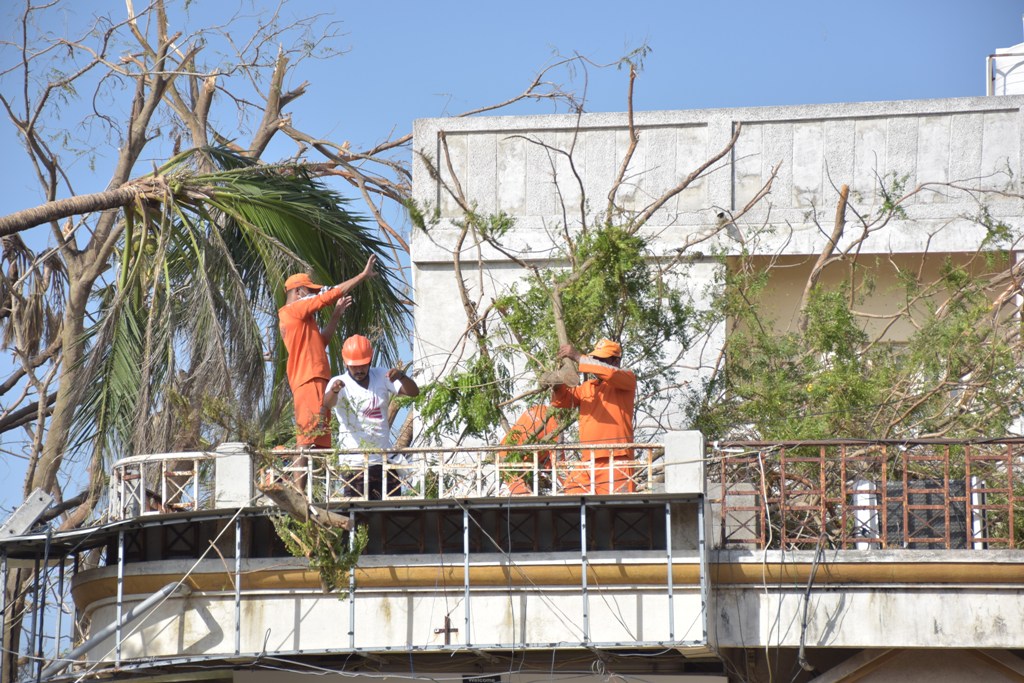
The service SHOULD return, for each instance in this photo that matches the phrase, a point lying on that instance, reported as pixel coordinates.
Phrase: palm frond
(199, 276)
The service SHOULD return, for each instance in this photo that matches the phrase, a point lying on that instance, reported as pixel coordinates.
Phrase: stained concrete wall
(289, 618)
(902, 598)
(536, 168)
(857, 600)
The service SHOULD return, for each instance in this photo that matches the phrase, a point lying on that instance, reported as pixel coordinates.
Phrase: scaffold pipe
(58, 665)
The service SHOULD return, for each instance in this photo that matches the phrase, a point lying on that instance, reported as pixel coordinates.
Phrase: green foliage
(957, 375)
(892, 188)
(332, 552)
(997, 232)
(612, 288)
(615, 290)
(494, 226)
(466, 401)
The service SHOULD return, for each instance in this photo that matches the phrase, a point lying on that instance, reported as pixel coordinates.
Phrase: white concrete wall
(403, 618)
(928, 612)
(755, 612)
(501, 166)
(233, 474)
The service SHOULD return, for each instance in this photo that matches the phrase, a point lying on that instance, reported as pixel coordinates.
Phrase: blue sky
(434, 58)
(406, 60)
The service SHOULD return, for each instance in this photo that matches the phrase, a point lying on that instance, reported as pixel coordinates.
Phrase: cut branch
(289, 498)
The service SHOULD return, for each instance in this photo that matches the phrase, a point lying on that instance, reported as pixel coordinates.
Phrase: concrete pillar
(234, 477)
(684, 462)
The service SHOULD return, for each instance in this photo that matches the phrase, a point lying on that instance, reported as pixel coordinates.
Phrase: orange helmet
(357, 350)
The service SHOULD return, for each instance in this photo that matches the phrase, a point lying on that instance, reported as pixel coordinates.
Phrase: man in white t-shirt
(360, 399)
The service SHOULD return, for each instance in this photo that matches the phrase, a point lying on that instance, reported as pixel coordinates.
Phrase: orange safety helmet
(357, 350)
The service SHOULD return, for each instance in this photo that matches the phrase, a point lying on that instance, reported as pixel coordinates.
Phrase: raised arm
(332, 325)
(368, 272)
(329, 295)
(563, 396)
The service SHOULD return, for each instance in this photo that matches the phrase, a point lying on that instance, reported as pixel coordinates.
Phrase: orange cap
(606, 348)
(357, 350)
(300, 280)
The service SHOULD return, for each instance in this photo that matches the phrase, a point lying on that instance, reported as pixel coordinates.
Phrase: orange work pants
(578, 481)
(310, 428)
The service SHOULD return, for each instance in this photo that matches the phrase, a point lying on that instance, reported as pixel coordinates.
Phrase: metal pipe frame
(35, 617)
(703, 575)
(60, 608)
(668, 573)
(41, 601)
(238, 585)
(584, 569)
(3, 598)
(58, 665)
(120, 597)
(352, 588)
(466, 638)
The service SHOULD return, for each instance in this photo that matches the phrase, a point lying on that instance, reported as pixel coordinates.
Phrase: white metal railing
(482, 471)
(159, 483)
(182, 482)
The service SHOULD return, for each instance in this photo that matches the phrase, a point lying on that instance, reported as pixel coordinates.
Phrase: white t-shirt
(363, 414)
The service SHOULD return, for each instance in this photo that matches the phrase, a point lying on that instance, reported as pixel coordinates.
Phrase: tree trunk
(72, 206)
(42, 474)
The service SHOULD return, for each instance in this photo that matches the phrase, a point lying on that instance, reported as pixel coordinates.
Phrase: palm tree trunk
(72, 206)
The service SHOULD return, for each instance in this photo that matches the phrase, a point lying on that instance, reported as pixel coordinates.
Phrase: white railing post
(233, 476)
(684, 462)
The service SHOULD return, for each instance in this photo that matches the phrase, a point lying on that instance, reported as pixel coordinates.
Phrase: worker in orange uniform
(533, 426)
(606, 416)
(308, 368)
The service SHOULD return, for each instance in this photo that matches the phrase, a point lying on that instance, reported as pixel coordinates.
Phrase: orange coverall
(524, 428)
(606, 415)
(308, 368)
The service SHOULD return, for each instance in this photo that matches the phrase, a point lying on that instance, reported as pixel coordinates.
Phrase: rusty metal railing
(927, 494)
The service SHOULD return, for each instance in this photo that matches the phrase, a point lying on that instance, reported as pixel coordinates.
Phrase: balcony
(932, 494)
(482, 552)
